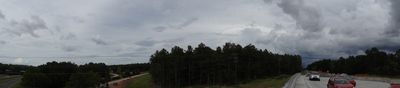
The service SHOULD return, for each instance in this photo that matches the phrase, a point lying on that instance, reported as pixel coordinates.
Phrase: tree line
(66, 75)
(70, 75)
(374, 62)
(230, 64)
(12, 69)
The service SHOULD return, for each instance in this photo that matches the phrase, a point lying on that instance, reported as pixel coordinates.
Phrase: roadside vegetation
(66, 75)
(374, 62)
(231, 64)
(70, 75)
(11, 69)
(274, 82)
(145, 81)
(7, 77)
(18, 85)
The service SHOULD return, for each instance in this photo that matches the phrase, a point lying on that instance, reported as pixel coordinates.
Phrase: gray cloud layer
(69, 48)
(68, 36)
(331, 31)
(28, 27)
(182, 25)
(2, 16)
(314, 29)
(187, 23)
(306, 17)
(394, 28)
(99, 41)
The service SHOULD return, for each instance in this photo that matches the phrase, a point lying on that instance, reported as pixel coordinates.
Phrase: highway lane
(303, 82)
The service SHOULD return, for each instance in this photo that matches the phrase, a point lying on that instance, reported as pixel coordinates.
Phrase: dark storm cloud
(132, 54)
(394, 27)
(306, 17)
(26, 26)
(187, 23)
(98, 41)
(151, 42)
(182, 25)
(387, 44)
(69, 48)
(359, 46)
(338, 28)
(2, 16)
(68, 36)
(174, 41)
(146, 43)
(2, 42)
(268, 1)
(159, 28)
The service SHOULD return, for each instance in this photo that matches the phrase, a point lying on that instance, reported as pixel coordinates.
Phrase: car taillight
(354, 83)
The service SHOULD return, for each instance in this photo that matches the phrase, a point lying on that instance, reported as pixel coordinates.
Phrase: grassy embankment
(18, 85)
(5, 78)
(143, 81)
(274, 82)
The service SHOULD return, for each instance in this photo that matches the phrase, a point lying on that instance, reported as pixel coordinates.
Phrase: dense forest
(230, 64)
(69, 75)
(374, 62)
(66, 75)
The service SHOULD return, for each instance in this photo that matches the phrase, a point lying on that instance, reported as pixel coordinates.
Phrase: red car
(351, 79)
(339, 83)
(345, 76)
(395, 85)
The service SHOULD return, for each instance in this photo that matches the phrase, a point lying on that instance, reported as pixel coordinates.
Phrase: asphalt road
(302, 82)
(8, 83)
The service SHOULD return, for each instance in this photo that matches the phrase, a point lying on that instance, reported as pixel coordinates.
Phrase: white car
(314, 77)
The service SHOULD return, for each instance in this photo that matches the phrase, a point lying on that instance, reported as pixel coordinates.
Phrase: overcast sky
(315, 29)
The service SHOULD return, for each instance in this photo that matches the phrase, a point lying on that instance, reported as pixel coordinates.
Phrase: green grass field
(5, 78)
(18, 85)
(275, 82)
(143, 81)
